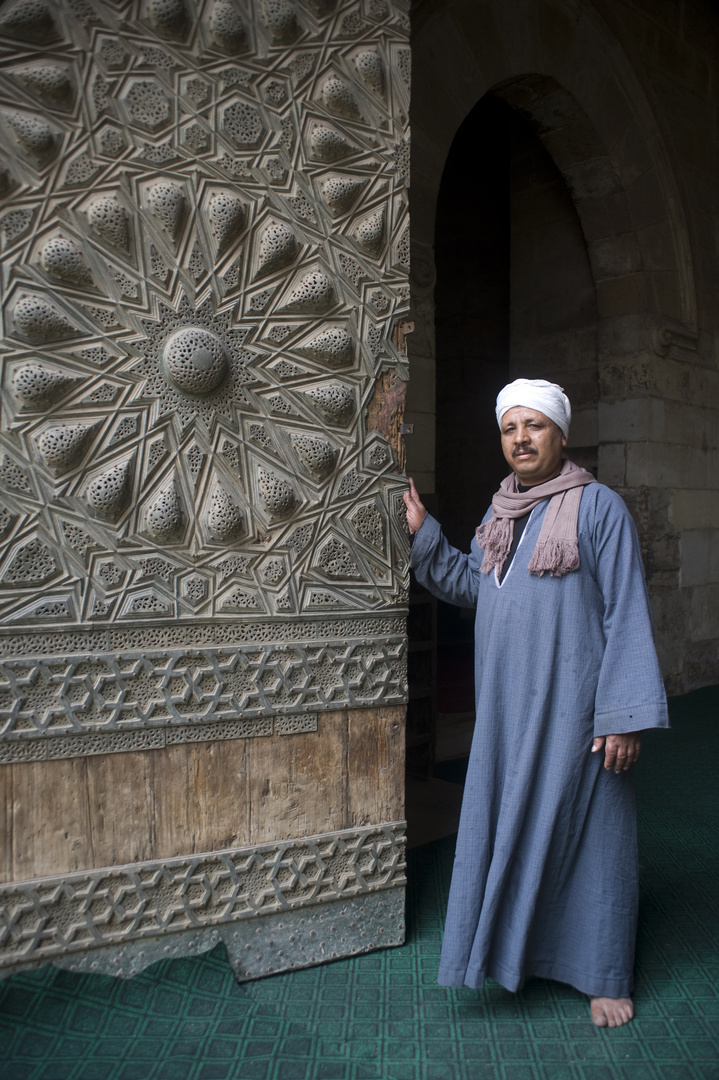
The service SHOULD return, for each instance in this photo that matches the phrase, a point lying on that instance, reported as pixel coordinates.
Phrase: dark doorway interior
(515, 297)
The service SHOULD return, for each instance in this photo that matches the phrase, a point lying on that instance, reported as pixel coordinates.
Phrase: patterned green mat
(382, 1017)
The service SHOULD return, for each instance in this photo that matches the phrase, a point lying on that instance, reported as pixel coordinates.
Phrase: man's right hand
(416, 512)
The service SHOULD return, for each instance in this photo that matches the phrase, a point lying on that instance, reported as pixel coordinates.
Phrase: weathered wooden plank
(50, 820)
(298, 782)
(200, 796)
(6, 822)
(120, 808)
(375, 770)
(120, 796)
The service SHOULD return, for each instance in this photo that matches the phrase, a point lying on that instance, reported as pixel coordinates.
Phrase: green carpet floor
(382, 1016)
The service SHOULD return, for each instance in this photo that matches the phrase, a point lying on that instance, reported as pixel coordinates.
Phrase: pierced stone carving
(30, 20)
(333, 347)
(227, 28)
(368, 522)
(112, 142)
(341, 193)
(241, 600)
(302, 208)
(108, 219)
(168, 204)
(272, 571)
(14, 477)
(14, 223)
(148, 105)
(109, 493)
(51, 82)
(335, 401)
(243, 124)
(369, 69)
(337, 98)
(281, 21)
(32, 564)
(277, 495)
(370, 234)
(313, 295)
(39, 321)
(169, 18)
(113, 53)
(327, 145)
(35, 136)
(195, 589)
(278, 247)
(80, 170)
(318, 455)
(225, 521)
(227, 217)
(34, 386)
(63, 447)
(195, 361)
(165, 516)
(335, 559)
(63, 259)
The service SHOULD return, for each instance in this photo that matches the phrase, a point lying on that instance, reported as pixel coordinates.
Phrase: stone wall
(623, 98)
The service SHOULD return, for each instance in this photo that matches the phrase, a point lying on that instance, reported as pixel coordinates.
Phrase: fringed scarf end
(555, 556)
(495, 539)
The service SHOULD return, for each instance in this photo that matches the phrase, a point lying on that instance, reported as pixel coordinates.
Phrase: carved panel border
(98, 693)
(53, 918)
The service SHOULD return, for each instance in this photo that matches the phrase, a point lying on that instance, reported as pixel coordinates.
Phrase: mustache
(524, 450)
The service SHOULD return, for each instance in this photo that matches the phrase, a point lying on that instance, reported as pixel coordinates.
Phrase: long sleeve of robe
(545, 879)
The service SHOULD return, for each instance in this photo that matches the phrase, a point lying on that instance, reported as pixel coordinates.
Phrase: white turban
(545, 397)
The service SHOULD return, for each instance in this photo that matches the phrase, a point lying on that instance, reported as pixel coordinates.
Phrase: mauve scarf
(557, 550)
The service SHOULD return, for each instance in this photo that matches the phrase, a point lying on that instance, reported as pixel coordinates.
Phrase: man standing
(545, 879)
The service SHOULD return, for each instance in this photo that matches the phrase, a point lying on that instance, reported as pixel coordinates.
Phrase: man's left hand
(620, 751)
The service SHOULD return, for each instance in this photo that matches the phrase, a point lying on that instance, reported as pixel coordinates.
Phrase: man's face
(532, 445)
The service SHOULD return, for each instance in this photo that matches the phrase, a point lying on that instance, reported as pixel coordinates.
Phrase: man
(545, 878)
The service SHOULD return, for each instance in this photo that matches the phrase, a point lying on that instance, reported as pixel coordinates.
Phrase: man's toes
(611, 1012)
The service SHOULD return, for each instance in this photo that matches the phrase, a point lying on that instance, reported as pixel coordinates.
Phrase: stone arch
(559, 64)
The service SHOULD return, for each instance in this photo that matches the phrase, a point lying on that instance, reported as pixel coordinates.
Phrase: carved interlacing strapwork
(119, 907)
(204, 268)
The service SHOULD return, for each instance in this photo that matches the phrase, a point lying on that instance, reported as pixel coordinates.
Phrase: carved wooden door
(202, 567)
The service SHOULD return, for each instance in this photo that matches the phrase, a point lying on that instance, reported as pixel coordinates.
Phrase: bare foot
(611, 1012)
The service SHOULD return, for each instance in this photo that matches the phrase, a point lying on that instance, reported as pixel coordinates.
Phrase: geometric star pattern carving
(133, 903)
(203, 218)
(43, 699)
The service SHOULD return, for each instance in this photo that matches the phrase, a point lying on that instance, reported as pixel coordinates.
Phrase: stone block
(661, 465)
(615, 257)
(657, 247)
(631, 420)
(664, 293)
(594, 217)
(696, 557)
(672, 613)
(705, 613)
(420, 446)
(701, 661)
(619, 212)
(612, 464)
(621, 296)
(692, 425)
(646, 200)
(694, 509)
(584, 427)
(633, 155)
